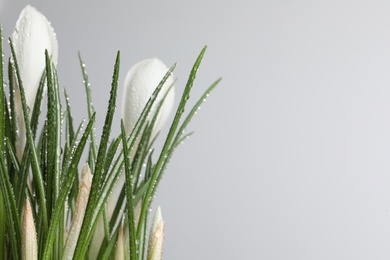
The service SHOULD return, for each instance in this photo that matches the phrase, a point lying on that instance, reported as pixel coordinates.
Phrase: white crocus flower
(140, 82)
(156, 237)
(33, 35)
(29, 239)
(78, 216)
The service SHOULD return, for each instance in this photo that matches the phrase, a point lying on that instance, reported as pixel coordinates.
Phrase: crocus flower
(78, 216)
(33, 35)
(29, 238)
(156, 237)
(140, 82)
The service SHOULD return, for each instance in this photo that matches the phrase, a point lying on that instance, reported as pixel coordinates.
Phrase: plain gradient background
(291, 153)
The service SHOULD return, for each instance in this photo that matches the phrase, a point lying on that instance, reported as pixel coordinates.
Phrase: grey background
(290, 159)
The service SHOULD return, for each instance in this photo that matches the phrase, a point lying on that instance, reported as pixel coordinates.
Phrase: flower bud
(120, 245)
(29, 236)
(32, 35)
(156, 237)
(140, 82)
(78, 216)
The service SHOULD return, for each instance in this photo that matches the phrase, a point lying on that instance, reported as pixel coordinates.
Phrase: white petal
(141, 80)
(33, 34)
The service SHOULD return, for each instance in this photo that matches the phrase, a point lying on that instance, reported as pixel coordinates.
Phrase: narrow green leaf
(69, 120)
(3, 230)
(129, 197)
(107, 250)
(13, 220)
(91, 110)
(2, 98)
(12, 88)
(53, 135)
(12, 154)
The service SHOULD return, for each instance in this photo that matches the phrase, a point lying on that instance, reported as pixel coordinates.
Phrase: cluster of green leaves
(53, 159)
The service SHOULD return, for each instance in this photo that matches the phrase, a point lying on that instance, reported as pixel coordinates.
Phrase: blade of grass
(129, 197)
(53, 135)
(106, 251)
(2, 137)
(69, 120)
(2, 104)
(12, 88)
(3, 230)
(13, 220)
(2, 150)
(12, 154)
(91, 110)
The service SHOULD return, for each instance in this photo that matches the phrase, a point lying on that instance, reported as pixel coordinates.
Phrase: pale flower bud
(120, 245)
(29, 236)
(32, 35)
(78, 216)
(156, 237)
(137, 212)
(140, 82)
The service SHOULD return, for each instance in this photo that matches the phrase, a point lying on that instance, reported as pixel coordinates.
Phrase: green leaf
(12, 154)
(106, 251)
(69, 120)
(91, 110)
(129, 198)
(3, 108)
(3, 230)
(53, 135)
(13, 220)
(2, 98)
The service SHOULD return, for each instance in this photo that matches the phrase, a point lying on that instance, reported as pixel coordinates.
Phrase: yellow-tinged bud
(78, 216)
(156, 237)
(29, 236)
(120, 245)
